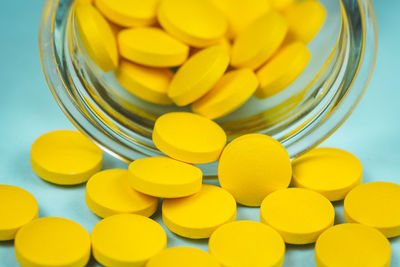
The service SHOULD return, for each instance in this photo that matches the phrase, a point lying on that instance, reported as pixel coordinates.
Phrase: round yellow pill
(195, 22)
(183, 257)
(151, 47)
(198, 75)
(352, 245)
(149, 84)
(108, 193)
(52, 241)
(375, 204)
(127, 240)
(240, 15)
(164, 177)
(96, 37)
(18, 207)
(230, 92)
(189, 137)
(259, 41)
(65, 157)
(299, 215)
(305, 19)
(282, 69)
(247, 243)
(198, 216)
(252, 166)
(129, 13)
(331, 172)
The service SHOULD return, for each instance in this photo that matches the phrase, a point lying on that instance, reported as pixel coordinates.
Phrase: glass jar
(300, 117)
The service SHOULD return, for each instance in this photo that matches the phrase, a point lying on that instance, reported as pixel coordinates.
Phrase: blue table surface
(27, 110)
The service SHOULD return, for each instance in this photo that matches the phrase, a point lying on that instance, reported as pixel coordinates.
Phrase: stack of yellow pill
(225, 51)
(200, 40)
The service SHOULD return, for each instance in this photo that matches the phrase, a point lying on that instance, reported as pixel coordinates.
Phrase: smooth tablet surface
(375, 204)
(195, 22)
(230, 92)
(79, 2)
(127, 240)
(198, 75)
(305, 19)
(240, 15)
(247, 243)
(129, 13)
(17, 208)
(108, 192)
(149, 84)
(331, 172)
(52, 241)
(151, 47)
(252, 166)
(352, 245)
(282, 69)
(299, 215)
(65, 157)
(183, 257)
(164, 177)
(281, 5)
(96, 37)
(189, 137)
(259, 41)
(199, 215)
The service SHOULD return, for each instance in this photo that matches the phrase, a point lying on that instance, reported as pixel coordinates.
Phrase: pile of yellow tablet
(268, 52)
(253, 170)
(210, 54)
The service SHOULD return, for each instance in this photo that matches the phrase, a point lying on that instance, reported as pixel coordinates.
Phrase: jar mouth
(300, 117)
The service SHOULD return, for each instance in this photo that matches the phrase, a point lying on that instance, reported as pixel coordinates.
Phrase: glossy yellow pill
(164, 177)
(129, 13)
(331, 172)
(299, 215)
(195, 22)
(127, 240)
(282, 69)
(352, 245)
(17, 208)
(247, 243)
(183, 257)
(65, 157)
(151, 47)
(230, 92)
(189, 137)
(240, 15)
(149, 84)
(305, 19)
(96, 37)
(375, 204)
(52, 241)
(259, 41)
(252, 166)
(198, 216)
(198, 75)
(281, 5)
(108, 193)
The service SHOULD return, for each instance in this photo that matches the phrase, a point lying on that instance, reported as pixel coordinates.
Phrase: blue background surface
(27, 110)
